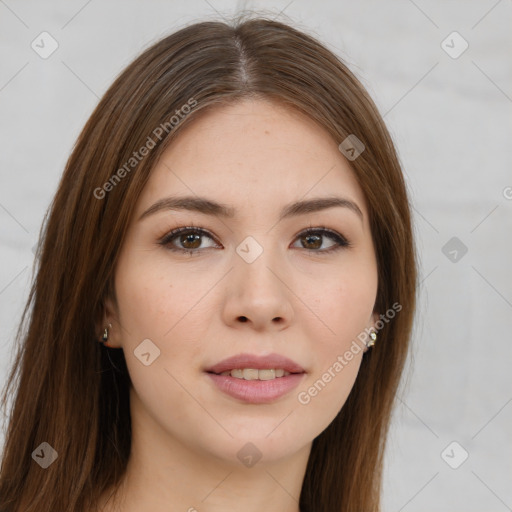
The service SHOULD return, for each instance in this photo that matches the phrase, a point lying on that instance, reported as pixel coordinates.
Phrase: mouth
(256, 374)
(252, 362)
(256, 379)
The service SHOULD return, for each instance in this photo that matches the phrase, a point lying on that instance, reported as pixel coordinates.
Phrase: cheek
(323, 395)
(344, 308)
(152, 300)
(168, 308)
(158, 306)
(141, 297)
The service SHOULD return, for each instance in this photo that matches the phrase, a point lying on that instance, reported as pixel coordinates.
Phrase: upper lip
(241, 361)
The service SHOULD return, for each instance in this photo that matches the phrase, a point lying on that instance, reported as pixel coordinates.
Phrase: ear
(375, 318)
(109, 320)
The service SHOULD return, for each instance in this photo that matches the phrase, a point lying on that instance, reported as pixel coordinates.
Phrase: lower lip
(257, 391)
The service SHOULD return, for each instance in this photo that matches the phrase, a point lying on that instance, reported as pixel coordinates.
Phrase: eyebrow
(210, 207)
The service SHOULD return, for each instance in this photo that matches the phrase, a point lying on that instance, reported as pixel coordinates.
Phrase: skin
(257, 157)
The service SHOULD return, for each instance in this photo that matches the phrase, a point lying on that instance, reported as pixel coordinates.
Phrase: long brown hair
(71, 391)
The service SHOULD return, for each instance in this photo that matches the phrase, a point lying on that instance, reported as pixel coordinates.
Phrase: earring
(373, 339)
(104, 338)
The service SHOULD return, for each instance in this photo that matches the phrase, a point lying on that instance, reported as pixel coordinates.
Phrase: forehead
(253, 152)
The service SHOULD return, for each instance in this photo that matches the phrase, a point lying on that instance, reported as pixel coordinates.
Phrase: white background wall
(451, 120)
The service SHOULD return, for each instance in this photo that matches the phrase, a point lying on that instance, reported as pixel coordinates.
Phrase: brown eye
(190, 241)
(313, 239)
(186, 239)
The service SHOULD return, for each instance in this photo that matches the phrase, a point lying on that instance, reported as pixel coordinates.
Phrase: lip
(256, 391)
(259, 362)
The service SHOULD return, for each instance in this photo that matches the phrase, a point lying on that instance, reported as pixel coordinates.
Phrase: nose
(258, 294)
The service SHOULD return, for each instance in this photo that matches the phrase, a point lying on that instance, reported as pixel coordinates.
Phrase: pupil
(191, 237)
(309, 237)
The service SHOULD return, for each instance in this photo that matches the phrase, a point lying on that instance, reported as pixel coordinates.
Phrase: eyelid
(185, 229)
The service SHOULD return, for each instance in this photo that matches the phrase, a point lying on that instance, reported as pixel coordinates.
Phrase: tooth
(250, 373)
(267, 374)
(255, 374)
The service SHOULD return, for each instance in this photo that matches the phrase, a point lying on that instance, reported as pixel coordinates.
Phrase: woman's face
(261, 281)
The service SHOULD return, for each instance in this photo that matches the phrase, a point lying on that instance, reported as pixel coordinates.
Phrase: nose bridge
(258, 291)
(257, 263)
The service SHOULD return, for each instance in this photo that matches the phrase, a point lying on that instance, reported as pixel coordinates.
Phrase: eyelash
(341, 241)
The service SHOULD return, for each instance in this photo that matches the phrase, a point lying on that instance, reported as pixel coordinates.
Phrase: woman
(225, 290)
